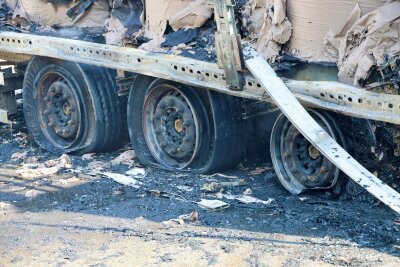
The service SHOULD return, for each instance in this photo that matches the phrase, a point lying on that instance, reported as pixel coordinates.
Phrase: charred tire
(176, 127)
(72, 107)
(299, 165)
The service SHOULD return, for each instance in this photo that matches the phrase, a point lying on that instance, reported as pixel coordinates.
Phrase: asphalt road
(79, 217)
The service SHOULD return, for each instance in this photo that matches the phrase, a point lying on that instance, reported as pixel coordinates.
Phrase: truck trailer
(183, 78)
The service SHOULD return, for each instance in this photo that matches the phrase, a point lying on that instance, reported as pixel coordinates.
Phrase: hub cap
(61, 110)
(170, 126)
(58, 108)
(298, 164)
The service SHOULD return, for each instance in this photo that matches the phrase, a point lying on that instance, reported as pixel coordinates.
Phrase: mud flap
(310, 129)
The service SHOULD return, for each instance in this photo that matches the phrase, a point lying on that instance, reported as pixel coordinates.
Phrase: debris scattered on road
(30, 160)
(69, 180)
(125, 158)
(220, 175)
(98, 165)
(158, 193)
(192, 218)
(19, 155)
(89, 156)
(246, 199)
(247, 192)
(34, 173)
(260, 170)
(52, 166)
(249, 199)
(185, 188)
(119, 191)
(214, 186)
(181, 175)
(62, 162)
(123, 179)
(137, 172)
(213, 204)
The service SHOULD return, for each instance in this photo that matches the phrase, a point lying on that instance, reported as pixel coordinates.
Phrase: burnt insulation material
(80, 8)
(58, 2)
(129, 14)
(375, 145)
(180, 37)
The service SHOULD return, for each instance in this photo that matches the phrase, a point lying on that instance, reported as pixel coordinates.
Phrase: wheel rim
(299, 165)
(58, 110)
(171, 126)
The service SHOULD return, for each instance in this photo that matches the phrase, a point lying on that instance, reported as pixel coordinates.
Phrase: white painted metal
(4, 116)
(300, 118)
(2, 82)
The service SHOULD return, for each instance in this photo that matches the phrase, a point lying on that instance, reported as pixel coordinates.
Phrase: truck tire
(299, 165)
(71, 107)
(176, 127)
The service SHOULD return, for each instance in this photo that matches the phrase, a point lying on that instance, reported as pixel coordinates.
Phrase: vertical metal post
(228, 42)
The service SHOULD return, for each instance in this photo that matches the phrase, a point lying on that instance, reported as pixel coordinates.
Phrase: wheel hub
(170, 127)
(306, 163)
(298, 164)
(61, 109)
(313, 152)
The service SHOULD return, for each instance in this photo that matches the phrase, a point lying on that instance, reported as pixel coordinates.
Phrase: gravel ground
(80, 217)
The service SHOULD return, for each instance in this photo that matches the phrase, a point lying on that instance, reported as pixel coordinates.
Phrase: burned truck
(193, 82)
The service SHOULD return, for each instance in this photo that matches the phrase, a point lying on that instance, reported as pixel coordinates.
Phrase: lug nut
(323, 169)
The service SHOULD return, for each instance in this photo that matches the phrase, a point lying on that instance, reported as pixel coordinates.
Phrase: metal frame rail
(332, 96)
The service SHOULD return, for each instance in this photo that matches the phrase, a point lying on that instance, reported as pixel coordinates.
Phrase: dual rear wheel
(72, 107)
(75, 108)
(177, 127)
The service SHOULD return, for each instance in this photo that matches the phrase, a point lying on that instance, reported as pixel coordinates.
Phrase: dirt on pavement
(80, 217)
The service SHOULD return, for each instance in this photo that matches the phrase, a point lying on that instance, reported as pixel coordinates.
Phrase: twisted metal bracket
(228, 42)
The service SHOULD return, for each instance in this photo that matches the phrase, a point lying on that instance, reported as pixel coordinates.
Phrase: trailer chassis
(259, 83)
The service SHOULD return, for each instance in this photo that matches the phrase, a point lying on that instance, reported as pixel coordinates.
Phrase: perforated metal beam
(332, 96)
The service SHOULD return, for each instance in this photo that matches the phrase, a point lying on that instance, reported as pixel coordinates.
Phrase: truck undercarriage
(178, 118)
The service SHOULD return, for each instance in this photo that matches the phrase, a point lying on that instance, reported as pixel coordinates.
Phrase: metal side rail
(300, 118)
(332, 96)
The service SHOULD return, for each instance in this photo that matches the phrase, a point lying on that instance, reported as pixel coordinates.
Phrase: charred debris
(355, 43)
(351, 42)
